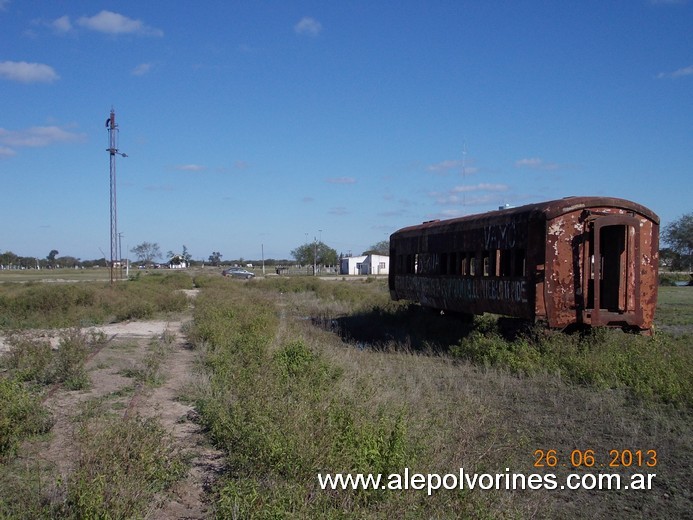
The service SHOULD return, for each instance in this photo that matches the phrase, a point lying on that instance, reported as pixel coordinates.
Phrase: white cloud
(482, 186)
(458, 194)
(6, 152)
(476, 200)
(309, 26)
(534, 163)
(685, 71)
(141, 69)
(190, 167)
(113, 23)
(62, 24)
(27, 72)
(35, 137)
(444, 166)
(342, 180)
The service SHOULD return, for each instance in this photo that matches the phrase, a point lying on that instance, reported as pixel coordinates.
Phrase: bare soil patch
(117, 387)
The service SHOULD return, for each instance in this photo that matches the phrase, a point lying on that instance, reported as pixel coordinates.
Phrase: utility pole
(113, 151)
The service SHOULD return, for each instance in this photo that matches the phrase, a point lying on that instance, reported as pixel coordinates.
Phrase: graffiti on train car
(466, 289)
(500, 236)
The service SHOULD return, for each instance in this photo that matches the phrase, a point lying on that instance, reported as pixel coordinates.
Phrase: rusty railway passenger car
(576, 261)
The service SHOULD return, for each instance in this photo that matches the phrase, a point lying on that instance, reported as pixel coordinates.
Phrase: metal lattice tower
(113, 151)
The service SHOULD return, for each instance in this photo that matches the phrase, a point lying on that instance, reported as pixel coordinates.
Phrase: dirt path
(187, 498)
(117, 387)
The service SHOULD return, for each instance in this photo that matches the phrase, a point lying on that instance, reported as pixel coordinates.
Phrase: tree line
(149, 253)
(677, 256)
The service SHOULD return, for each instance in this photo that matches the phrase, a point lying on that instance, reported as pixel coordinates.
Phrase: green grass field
(300, 376)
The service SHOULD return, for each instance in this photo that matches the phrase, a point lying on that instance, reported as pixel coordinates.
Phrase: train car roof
(545, 210)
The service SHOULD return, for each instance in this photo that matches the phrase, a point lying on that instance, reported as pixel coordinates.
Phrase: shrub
(68, 366)
(28, 358)
(21, 415)
(123, 464)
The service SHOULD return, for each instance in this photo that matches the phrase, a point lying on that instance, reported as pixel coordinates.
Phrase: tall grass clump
(375, 387)
(41, 305)
(21, 415)
(149, 370)
(355, 293)
(273, 404)
(33, 360)
(651, 368)
(123, 465)
(45, 305)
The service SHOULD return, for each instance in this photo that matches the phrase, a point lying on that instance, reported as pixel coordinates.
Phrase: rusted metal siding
(557, 243)
(623, 294)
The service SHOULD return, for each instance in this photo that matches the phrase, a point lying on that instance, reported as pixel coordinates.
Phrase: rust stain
(579, 260)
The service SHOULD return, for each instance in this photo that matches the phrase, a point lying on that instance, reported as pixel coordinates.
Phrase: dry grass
(407, 403)
(300, 376)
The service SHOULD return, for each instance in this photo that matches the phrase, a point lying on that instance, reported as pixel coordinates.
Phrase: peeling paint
(556, 242)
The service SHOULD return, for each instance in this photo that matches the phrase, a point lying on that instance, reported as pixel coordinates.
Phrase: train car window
(431, 263)
(417, 265)
(472, 264)
(453, 263)
(464, 265)
(443, 264)
(486, 259)
(504, 263)
(519, 263)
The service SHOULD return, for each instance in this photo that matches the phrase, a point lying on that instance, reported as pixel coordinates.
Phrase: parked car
(237, 272)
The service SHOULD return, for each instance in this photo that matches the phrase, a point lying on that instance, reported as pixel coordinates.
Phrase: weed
(149, 370)
(25, 306)
(123, 464)
(28, 358)
(651, 368)
(286, 399)
(21, 415)
(33, 359)
(68, 366)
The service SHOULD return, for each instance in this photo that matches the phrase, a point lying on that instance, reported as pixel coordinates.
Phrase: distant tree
(99, 262)
(667, 257)
(679, 236)
(315, 252)
(381, 248)
(186, 255)
(8, 258)
(177, 258)
(146, 252)
(215, 258)
(67, 261)
(51, 256)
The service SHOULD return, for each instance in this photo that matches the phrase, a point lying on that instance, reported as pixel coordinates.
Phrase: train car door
(611, 280)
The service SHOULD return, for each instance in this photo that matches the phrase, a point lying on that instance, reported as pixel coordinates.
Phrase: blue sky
(259, 125)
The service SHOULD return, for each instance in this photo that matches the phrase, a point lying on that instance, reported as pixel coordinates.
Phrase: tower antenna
(113, 151)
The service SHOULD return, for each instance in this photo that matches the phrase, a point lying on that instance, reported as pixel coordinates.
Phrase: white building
(177, 262)
(365, 264)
